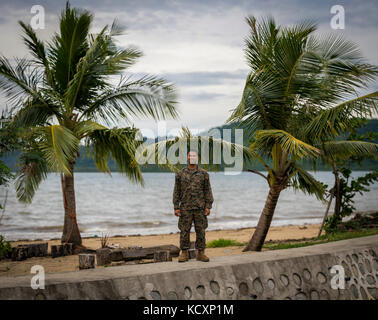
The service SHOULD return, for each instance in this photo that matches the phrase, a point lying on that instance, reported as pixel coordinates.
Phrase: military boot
(201, 256)
(184, 256)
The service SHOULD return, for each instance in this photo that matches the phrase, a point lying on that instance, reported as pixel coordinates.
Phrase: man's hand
(177, 212)
(207, 211)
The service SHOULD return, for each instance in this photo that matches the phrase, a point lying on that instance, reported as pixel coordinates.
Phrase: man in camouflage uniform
(192, 200)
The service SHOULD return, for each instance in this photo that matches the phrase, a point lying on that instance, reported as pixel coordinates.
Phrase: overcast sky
(196, 44)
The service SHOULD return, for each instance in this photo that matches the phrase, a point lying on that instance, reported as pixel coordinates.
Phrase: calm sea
(116, 206)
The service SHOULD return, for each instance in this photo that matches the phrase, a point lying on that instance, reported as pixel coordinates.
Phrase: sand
(70, 263)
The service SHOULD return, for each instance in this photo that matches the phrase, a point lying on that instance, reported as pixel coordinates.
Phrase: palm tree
(300, 95)
(338, 159)
(65, 95)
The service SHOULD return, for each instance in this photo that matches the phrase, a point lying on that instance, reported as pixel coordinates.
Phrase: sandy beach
(70, 263)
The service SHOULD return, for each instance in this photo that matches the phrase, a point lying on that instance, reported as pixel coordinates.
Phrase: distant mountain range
(84, 164)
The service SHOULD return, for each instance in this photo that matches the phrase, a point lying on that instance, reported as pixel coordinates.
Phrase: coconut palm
(300, 95)
(65, 96)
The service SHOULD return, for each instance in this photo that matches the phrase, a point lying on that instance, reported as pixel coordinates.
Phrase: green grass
(337, 236)
(220, 243)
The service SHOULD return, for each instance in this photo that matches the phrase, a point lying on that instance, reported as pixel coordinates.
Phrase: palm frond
(266, 139)
(103, 58)
(334, 121)
(343, 61)
(147, 97)
(59, 147)
(85, 128)
(304, 181)
(120, 144)
(33, 169)
(36, 47)
(84, 71)
(261, 41)
(349, 148)
(70, 45)
(260, 106)
(35, 113)
(19, 82)
(291, 58)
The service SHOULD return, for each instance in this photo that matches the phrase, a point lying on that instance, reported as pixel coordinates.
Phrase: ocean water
(116, 206)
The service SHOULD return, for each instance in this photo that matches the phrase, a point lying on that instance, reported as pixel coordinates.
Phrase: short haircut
(192, 150)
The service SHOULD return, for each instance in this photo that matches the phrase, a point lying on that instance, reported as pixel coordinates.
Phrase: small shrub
(357, 223)
(223, 243)
(104, 240)
(5, 248)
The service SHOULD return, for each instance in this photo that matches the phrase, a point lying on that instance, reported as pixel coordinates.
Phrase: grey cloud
(216, 21)
(205, 78)
(293, 8)
(204, 96)
(200, 78)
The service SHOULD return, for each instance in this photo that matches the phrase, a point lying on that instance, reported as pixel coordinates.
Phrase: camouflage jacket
(192, 189)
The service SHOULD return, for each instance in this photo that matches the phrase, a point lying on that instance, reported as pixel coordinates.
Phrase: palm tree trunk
(326, 213)
(258, 238)
(338, 195)
(338, 199)
(71, 232)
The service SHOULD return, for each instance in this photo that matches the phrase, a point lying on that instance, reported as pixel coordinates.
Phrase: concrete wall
(302, 273)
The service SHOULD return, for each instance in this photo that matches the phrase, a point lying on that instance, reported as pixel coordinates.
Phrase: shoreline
(231, 231)
(301, 226)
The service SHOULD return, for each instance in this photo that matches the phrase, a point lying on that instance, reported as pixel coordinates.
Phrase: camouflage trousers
(185, 224)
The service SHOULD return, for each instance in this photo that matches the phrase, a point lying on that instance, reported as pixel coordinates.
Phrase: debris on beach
(142, 253)
(113, 246)
(86, 261)
(162, 256)
(24, 251)
(136, 255)
(61, 250)
(103, 256)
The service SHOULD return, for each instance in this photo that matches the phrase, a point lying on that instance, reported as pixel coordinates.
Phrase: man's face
(192, 157)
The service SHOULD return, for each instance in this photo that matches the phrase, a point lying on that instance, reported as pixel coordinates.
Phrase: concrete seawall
(301, 273)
